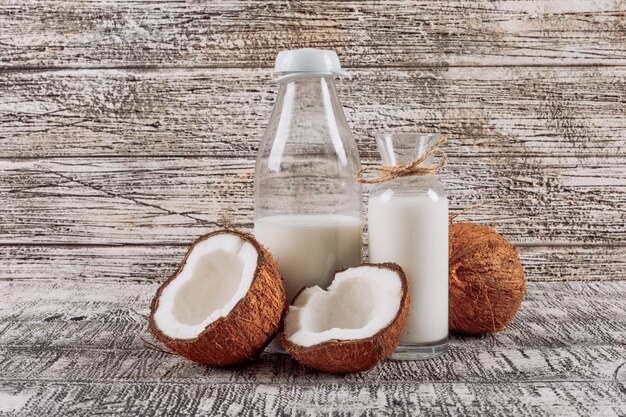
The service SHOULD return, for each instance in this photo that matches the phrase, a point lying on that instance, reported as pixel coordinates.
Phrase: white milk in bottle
(309, 248)
(413, 232)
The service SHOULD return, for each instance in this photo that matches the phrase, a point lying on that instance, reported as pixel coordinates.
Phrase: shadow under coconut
(267, 368)
(276, 367)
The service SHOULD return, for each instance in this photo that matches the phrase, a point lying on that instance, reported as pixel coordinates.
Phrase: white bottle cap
(307, 60)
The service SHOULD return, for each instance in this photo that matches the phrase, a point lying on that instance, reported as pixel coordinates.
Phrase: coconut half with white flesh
(353, 325)
(224, 303)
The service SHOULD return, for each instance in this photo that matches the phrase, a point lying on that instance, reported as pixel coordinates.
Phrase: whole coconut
(486, 280)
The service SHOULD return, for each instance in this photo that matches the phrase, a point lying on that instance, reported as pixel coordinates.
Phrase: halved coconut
(353, 325)
(224, 303)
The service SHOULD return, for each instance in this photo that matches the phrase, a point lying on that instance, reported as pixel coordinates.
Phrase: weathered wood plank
(574, 263)
(154, 263)
(536, 200)
(567, 399)
(72, 315)
(563, 354)
(230, 33)
(470, 365)
(223, 112)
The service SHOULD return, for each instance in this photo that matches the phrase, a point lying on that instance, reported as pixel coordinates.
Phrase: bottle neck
(303, 84)
(308, 116)
(309, 103)
(281, 77)
(404, 148)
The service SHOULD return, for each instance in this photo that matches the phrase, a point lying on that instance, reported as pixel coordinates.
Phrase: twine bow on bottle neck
(390, 172)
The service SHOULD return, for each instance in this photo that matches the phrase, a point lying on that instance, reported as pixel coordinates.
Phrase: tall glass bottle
(408, 225)
(308, 205)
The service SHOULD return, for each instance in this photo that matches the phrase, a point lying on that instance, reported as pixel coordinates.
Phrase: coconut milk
(309, 248)
(413, 232)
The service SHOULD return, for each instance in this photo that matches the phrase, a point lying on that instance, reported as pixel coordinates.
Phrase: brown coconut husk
(250, 325)
(486, 280)
(348, 356)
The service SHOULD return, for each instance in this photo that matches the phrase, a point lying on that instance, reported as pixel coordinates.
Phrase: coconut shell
(486, 280)
(250, 325)
(348, 356)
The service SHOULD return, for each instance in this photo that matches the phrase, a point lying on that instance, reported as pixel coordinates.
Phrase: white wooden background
(128, 128)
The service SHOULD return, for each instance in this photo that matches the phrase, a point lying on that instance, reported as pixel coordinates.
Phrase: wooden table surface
(129, 128)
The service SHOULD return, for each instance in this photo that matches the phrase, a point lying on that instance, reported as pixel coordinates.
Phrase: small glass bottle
(408, 225)
(308, 204)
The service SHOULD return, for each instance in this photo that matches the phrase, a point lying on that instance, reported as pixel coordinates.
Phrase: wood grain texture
(525, 111)
(112, 315)
(565, 399)
(154, 263)
(128, 128)
(249, 34)
(172, 200)
(75, 347)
